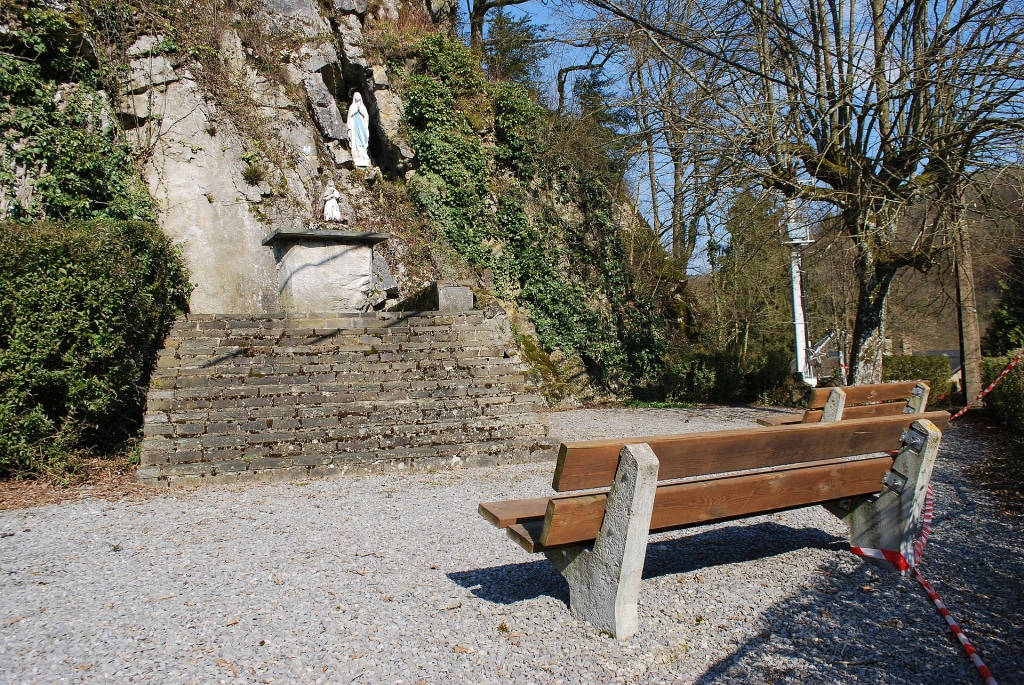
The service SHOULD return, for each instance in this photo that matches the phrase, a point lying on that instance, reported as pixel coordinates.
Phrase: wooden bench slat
(861, 394)
(781, 420)
(510, 512)
(864, 411)
(577, 520)
(592, 464)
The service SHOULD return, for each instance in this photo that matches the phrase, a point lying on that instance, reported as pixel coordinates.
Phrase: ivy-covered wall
(62, 155)
(494, 183)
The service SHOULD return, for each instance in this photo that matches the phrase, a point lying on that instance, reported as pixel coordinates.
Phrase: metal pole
(803, 342)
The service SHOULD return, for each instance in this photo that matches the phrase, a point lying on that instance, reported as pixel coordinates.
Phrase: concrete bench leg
(891, 519)
(604, 583)
(918, 400)
(833, 410)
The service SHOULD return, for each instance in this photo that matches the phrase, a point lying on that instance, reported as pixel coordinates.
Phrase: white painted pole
(803, 342)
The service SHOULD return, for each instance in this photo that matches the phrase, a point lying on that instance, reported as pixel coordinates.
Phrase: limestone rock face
(350, 7)
(350, 35)
(148, 72)
(386, 112)
(324, 108)
(203, 203)
(222, 182)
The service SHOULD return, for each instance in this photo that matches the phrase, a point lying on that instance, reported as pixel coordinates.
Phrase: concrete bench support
(891, 519)
(918, 399)
(833, 410)
(604, 583)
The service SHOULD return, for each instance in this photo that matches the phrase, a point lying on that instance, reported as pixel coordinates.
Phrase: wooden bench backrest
(866, 411)
(592, 463)
(861, 394)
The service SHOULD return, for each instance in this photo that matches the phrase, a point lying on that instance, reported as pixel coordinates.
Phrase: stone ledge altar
(324, 270)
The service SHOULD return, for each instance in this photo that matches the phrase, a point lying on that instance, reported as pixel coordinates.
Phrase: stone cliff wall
(259, 398)
(221, 187)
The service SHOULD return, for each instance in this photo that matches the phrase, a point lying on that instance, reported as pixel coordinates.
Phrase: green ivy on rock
(59, 142)
(482, 162)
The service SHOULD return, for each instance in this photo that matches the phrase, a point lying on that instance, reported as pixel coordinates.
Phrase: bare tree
(868, 108)
(478, 10)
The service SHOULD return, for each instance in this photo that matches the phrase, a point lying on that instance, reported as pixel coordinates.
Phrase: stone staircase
(273, 397)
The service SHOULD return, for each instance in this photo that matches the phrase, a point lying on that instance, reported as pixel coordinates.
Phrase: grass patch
(641, 404)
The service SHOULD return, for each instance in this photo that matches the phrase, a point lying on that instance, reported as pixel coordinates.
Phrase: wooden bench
(598, 539)
(858, 402)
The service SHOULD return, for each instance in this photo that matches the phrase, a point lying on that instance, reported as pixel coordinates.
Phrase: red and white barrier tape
(968, 647)
(909, 565)
(1008, 369)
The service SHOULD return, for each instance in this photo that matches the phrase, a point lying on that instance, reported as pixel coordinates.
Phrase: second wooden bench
(858, 402)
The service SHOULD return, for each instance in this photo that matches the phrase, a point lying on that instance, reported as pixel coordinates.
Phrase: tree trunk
(967, 310)
(869, 328)
(476, 28)
(679, 245)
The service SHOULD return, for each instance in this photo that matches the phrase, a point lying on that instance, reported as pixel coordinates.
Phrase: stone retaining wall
(274, 397)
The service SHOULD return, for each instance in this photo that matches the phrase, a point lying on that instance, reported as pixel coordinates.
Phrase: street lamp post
(797, 236)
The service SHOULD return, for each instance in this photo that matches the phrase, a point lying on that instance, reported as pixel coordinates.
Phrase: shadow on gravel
(513, 583)
(865, 625)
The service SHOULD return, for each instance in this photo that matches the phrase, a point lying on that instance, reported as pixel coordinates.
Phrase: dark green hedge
(729, 377)
(913, 368)
(83, 308)
(1007, 399)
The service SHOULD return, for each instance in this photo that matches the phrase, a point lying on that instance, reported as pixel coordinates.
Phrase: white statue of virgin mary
(359, 131)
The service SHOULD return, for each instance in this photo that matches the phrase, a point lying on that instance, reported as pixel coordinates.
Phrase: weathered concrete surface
(324, 276)
(891, 520)
(604, 583)
(454, 298)
(833, 410)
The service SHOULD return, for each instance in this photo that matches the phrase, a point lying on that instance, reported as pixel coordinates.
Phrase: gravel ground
(396, 579)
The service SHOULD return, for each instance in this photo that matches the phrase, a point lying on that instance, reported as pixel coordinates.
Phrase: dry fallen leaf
(232, 622)
(278, 581)
(867, 588)
(386, 598)
(700, 579)
(356, 656)
(228, 665)
(421, 681)
(11, 621)
(456, 605)
(459, 649)
(81, 667)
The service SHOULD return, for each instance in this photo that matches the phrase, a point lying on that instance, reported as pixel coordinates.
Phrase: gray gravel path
(396, 579)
